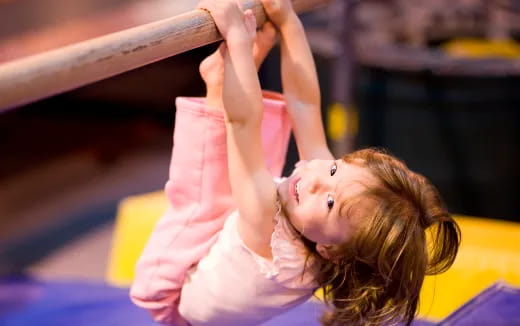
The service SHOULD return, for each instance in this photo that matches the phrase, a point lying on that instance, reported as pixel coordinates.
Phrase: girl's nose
(315, 183)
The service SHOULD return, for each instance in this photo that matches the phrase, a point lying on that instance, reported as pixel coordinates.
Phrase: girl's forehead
(352, 181)
(353, 172)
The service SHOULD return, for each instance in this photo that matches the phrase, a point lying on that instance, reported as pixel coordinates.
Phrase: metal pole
(53, 72)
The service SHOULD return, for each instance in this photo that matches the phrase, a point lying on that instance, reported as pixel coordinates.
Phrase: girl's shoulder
(289, 255)
(290, 264)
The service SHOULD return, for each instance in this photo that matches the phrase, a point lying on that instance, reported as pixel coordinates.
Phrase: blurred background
(437, 83)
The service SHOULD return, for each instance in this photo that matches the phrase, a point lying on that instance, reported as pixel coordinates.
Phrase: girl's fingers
(240, 6)
(250, 21)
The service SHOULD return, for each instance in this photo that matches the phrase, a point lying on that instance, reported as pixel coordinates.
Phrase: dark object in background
(454, 119)
(461, 132)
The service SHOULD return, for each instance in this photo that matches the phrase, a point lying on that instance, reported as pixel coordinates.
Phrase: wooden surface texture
(36, 77)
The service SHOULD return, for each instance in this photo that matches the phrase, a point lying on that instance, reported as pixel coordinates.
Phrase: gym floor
(82, 259)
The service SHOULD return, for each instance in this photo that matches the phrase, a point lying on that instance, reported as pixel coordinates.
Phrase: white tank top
(234, 286)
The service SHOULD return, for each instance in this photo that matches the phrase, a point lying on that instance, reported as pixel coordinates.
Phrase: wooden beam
(36, 77)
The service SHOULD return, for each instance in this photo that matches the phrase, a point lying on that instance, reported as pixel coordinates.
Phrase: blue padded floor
(25, 302)
(498, 305)
(308, 314)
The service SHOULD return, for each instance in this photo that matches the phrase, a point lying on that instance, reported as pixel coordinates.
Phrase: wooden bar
(36, 77)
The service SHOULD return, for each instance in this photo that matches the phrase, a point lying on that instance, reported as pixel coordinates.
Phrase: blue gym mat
(498, 305)
(25, 302)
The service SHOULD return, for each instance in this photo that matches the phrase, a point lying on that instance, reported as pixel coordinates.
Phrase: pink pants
(200, 200)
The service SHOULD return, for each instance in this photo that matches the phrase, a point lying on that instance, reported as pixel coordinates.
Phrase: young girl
(238, 248)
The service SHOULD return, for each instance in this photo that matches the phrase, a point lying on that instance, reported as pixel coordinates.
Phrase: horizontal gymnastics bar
(39, 76)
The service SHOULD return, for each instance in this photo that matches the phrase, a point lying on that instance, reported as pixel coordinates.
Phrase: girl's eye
(333, 169)
(330, 201)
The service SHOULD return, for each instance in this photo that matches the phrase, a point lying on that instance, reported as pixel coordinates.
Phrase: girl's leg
(200, 198)
(198, 204)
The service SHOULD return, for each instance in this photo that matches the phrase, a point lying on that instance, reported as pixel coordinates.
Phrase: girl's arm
(252, 186)
(300, 81)
(251, 183)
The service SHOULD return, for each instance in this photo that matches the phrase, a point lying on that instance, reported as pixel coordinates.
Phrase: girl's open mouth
(294, 188)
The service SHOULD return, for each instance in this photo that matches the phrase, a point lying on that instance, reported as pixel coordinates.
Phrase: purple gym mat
(26, 302)
(498, 305)
(308, 314)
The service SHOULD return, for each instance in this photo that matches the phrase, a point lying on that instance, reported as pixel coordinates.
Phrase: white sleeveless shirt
(234, 286)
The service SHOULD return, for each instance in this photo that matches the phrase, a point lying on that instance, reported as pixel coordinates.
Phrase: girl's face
(313, 195)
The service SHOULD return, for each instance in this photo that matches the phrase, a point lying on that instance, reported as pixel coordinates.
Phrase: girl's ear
(323, 250)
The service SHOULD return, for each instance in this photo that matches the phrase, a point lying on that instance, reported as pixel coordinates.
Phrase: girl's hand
(212, 68)
(278, 11)
(230, 19)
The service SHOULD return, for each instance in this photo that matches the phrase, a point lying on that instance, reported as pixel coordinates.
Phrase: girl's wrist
(238, 36)
(290, 22)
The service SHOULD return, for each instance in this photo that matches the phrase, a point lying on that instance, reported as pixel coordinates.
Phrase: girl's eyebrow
(336, 163)
(339, 194)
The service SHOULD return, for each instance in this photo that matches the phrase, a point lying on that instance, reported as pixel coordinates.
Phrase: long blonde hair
(376, 277)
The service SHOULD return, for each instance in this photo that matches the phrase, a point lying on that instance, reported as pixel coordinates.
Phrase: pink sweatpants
(200, 200)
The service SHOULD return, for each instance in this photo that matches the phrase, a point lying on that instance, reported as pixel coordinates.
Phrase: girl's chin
(281, 189)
